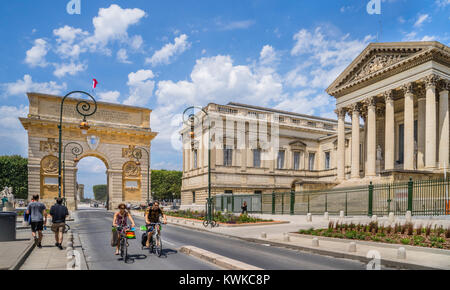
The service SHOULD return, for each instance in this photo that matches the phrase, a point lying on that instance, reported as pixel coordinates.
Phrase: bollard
(391, 217)
(263, 235)
(309, 217)
(401, 253)
(351, 247)
(286, 237)
(408, 216)
(374, 218)
(341, 214)
(315, 242)
(325, 216)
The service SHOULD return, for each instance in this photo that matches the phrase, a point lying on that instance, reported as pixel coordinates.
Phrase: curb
(230, 225)
(385, 262)
(23, 257)
(221, 261)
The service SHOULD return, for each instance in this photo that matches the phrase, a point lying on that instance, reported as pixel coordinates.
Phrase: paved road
(94, 228)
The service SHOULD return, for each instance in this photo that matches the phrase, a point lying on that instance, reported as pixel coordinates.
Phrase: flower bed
(220, 217)
(405, 234)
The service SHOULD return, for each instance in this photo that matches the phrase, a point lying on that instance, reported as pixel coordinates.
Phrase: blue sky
(167, 55)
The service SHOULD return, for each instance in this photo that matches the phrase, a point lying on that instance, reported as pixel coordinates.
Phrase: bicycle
(66, 228)
(156, 237)
(123, 243)
(213, 223)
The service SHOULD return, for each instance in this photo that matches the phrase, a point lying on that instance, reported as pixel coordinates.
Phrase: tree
(166, 184)
(100, 192)
(14, 173)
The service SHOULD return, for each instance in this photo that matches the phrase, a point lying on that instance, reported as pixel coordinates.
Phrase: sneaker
(39, 246)
(57, 244)
(60, 247)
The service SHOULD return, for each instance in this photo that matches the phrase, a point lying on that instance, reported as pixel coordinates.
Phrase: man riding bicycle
(152, 217)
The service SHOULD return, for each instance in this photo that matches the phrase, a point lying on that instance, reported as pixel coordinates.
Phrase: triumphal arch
(117, 135)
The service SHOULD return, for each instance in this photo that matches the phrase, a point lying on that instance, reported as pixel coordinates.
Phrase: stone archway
(115, 131)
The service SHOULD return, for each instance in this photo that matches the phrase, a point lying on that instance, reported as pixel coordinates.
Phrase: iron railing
(421, 197)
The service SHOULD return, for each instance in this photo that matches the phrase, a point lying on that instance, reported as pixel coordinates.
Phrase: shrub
(447, 232)
(376, 239)
(419, 229)
(330, 225)
(428, 230)
(389, 229)
(405, 241)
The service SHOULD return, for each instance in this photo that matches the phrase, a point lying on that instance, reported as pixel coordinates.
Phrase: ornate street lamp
(77, 150)
(84, 109)
(138, 155)
(189, 120)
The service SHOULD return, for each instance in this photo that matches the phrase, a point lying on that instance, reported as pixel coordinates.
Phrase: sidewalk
(281, 235)
(13, 253)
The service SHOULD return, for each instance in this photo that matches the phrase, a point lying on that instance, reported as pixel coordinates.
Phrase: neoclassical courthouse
(396, 95)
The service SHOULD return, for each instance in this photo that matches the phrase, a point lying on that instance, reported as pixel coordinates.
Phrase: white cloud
(109, 96)
(66, 37)
(244, 24)
(91, 165)
(122, 56)
(13, 135)
(268, 55)
(35, 56)
(141, 88)
(442, 3)
(112, 23)
(136, 42)
(421, 19)
(300, 103)
(164, 55)
(68, 68)
(20, 87)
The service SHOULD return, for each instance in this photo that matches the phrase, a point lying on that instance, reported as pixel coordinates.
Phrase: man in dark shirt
(152, 216)
(59, 213)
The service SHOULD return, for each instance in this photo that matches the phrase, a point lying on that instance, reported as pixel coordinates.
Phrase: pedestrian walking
(244, 208)
(59, 213)
(38, 218)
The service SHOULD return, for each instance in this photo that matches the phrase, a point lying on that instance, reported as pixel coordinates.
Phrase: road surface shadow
(132, 258)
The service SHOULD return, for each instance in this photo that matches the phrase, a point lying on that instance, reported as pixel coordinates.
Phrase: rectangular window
(256, 157)
(296, 160)
(228, 192)
(312, 157)
(280, 159)
(193, 197)
(228, 157)
(327, 160)
(195, 159)
(401, 142)
(258, 191)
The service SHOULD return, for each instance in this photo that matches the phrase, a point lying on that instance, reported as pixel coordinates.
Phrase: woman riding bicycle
(120, 220)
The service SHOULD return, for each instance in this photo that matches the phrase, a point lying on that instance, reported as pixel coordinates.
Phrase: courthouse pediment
(380, 60)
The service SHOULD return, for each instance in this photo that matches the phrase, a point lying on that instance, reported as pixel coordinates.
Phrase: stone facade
(116, 129)
(396, 95)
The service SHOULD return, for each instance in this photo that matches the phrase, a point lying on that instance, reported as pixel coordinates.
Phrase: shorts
(58, 227)
(37, 226)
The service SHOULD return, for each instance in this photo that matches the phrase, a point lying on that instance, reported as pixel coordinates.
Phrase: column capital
(370, 102)
(388, 96)
(431, 81)
(444, 85)
(354, 108)
(408, 88)
(341, 112)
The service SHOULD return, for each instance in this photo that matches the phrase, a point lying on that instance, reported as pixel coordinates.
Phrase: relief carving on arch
(130, 169)
(50, 146)
(49, 164)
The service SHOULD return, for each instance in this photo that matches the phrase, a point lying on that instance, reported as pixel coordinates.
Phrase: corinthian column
(389, 140)
(408, 163)
(355, 140)
(421, 132)
(371, 137)
(341, 144)
(443, 125)
(430, 120)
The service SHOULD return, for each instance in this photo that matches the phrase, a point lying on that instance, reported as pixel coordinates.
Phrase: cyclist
(152, 216)
(120, 220)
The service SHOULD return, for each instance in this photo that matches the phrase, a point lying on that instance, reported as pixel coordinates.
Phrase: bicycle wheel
(121, 247)
(205, 223)
(126, 251)
(152, 245)
(158, 246)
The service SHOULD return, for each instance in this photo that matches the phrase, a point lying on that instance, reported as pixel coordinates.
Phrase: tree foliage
(166, 184)
(14, 173)
(100, 192)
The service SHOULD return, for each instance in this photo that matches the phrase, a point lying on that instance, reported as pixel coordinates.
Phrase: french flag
(94, 83)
